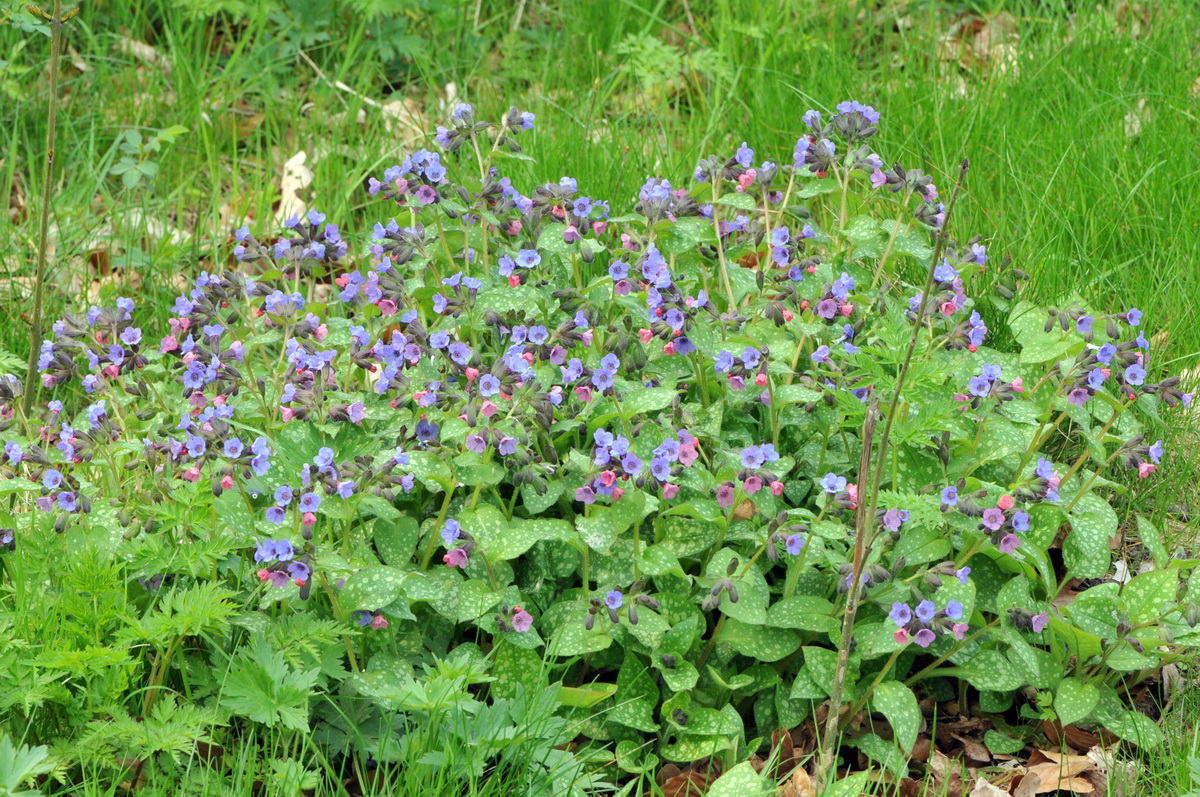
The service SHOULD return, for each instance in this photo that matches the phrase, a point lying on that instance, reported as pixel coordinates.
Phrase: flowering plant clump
(673, 450)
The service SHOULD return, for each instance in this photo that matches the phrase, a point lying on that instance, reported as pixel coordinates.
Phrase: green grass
(624, 90)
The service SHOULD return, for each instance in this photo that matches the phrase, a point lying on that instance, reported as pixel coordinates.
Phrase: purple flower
(1039, 622)
(900, 614)
(507, 447)
(476, 443)
(233, 448)
(309, 502)
(451, 531)
(950, 496)
(489, 385)
(276, 515)
(522, 621)
(51, 479)
(954, 610)
(345, 489)
(833, 484)
(14, 452)
(945, 272)
(1135, 374)
(821, 355)
(300, 571)
(1105, 353)
(794, 544)
(744, 156)
(1156, 452)
(925, 611)
(993, 518)
(356, 412)
(1133, 317)
(1020, 521)
(614, 599)
(980, 386)
(1009, 543)
(752, 457)
(324, 458)
(528, 258)
(1083, 325)
(961, 574)
(66, 501)
(1078, 397)
(924, 637)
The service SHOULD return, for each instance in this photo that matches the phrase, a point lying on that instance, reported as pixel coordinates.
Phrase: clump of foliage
(704, 464)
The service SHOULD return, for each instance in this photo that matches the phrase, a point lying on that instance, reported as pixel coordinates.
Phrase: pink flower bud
(669, 348)
(488, 408)
(1018, 384)
(752, 485)
(308, 519)
(1006, 502)
(901, 636)
(471, 374)
(1145, 469)
(670, 490)
(386, 307)
(608, 478)
(321, 332)
(378, 622)
(760, 380)
(776, 489)
(617, 493)
(226, 482)
(947, 308)
(583, 393)
(846, 310)
(192, 474)
(342, 280)
(645, 335)
(788, 315)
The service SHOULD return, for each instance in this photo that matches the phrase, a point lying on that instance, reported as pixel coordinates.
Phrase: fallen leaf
(143, 52)
(1135, 117)
(296, 178)
(984, 788)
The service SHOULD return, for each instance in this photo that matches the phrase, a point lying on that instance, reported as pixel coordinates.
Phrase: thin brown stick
(865, 512)
(35, 330)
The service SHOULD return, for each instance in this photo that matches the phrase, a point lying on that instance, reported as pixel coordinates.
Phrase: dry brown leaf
(1135, 118)
(977, 752)
(1049, 777)
(296, 178)
(403, 119)
(143, 52)
(802, 783)
(745, 510)
(984, 788)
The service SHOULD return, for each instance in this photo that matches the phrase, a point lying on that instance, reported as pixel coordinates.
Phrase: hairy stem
(35, 330)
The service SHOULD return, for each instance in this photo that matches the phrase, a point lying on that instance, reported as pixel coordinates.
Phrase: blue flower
(900, 614)
(833, 484)
(926, 610)
(794, 544)
(950, 496)
(614, 599)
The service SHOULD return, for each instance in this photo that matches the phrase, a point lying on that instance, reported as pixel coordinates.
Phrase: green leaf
(636, 697)
(1132, 726)
(572, 637)
(898, 704)
(883, 752)
(1152, 539)
(803, 613)
(585, 696)
(759, 642)
(647, 400)
(1086, 550)
(536, 504)
(988, 669)
(868, 239)
(821, 185)
(476, 599)
(600, 529)
(1075, 700)
(739, 201)
(18, 485)
(684, 235)
(262, 687)
(396, 541)
(741, 781)
(909, 242)
(1002, 743)
(514, 665)
(1150, 595)
(372, 588)
(551, 240)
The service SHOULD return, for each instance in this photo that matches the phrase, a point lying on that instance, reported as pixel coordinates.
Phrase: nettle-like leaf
(262, 687)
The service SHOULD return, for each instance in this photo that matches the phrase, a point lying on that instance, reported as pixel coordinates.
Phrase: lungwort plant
(759, 441)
